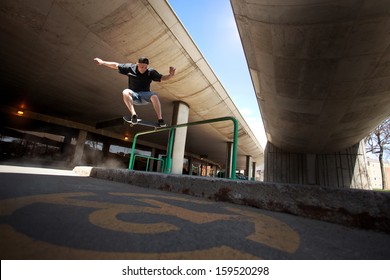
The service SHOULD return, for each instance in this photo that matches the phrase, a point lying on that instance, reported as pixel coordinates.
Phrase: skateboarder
(138, 91)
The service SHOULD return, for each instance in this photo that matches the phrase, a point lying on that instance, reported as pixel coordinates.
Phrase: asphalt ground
(56, 214)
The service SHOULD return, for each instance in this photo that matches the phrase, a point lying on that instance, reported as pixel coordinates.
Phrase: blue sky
(211, 25)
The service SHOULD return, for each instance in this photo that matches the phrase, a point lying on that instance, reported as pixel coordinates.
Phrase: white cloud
(247, 112)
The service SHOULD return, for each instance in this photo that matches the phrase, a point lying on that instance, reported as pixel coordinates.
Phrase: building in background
(374, 172)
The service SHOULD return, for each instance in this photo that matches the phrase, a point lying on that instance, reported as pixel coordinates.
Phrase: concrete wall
(344, 169)
(358, 208)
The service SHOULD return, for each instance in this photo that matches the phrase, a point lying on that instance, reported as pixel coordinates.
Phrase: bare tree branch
(378, 142)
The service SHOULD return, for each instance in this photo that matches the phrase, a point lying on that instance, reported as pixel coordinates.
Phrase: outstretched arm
(170, 75)
(110, 64)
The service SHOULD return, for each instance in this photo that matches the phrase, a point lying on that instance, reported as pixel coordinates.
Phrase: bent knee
(127, 93)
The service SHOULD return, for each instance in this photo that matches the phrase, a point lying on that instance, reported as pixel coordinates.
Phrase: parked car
(241, 176)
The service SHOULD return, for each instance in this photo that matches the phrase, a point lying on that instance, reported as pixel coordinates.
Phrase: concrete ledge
(83, 170)
(357, 208)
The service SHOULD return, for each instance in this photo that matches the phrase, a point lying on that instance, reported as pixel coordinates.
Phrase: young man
(138, 91)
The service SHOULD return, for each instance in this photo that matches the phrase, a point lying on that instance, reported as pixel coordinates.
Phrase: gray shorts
(142, 97)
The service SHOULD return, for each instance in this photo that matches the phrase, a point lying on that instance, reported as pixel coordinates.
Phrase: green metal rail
(172, 128)
(148, 158)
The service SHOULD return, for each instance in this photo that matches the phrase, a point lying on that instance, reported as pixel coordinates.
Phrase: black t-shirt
(138, 81)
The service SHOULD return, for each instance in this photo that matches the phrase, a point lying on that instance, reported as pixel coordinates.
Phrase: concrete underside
(320, 69)
(357, 208)
(47, 49)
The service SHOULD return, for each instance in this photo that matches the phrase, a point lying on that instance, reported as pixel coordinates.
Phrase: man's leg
(156, 105)
(128, 99)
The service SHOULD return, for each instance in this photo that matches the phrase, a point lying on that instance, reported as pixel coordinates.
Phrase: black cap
(143, 60)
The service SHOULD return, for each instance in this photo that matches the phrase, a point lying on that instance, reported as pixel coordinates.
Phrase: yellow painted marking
(268, 231)
(15, 245)
(106, 218)
(193, 199)
(185, 214)
(8, 206)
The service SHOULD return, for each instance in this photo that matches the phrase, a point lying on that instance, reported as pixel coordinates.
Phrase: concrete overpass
(322, 79)
(47, 49)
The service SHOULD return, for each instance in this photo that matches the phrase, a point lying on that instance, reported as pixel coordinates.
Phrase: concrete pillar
(213, 170)
(254, 171)
(79, 151)
(180, 115)
(247, 166)
(190, 161)
(229, 152)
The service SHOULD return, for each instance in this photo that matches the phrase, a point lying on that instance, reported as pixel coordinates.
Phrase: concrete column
(190, 165)
(229, 152)
(254, 171)
(248, 166)
(78, 154)
(213, 170)
(180, 115)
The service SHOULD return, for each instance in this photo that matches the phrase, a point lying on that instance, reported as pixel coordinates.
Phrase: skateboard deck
(141, 122)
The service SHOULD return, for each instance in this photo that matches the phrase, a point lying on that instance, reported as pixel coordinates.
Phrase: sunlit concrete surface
(38, 170)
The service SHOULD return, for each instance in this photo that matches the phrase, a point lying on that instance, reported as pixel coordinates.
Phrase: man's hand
(172, 70)
(170, 75)
(110, 64)
(98, 61)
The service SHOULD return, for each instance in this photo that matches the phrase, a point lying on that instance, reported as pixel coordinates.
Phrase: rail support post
(172, 128)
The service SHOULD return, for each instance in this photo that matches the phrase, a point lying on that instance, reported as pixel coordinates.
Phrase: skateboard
(141, 122)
